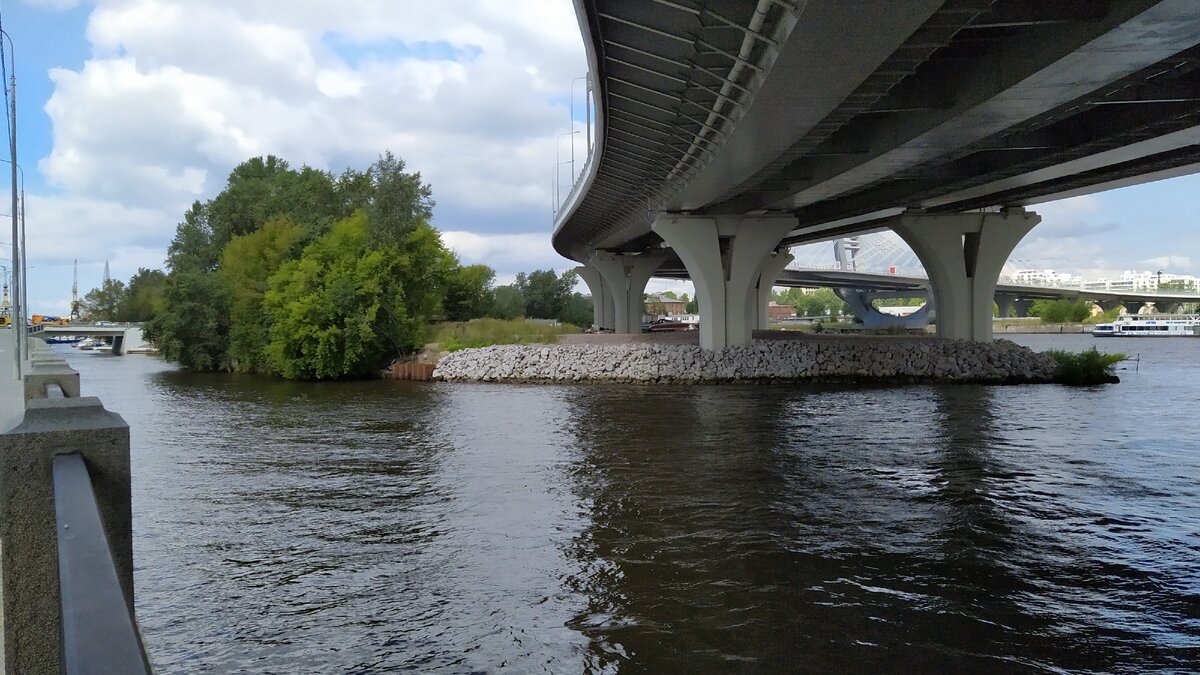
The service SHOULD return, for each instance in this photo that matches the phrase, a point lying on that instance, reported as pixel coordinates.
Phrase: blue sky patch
(355, 53)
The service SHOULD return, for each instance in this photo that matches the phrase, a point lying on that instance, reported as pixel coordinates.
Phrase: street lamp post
(18, 324)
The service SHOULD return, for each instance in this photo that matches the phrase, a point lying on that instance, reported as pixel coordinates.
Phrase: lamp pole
(18, 323)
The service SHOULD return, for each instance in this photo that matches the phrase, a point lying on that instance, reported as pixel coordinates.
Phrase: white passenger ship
(1150, 325)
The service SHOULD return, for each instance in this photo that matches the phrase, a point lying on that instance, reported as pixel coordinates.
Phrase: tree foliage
(545, 292)
(507, 303)
(469, 293)
(1061, 311)
(821, 302)
(307, 275)
(104, 303)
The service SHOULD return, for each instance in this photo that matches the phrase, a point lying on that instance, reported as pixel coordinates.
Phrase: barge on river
(1150, 325)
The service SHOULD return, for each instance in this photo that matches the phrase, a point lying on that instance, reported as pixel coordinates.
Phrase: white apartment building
(1132, 281)
(1046, 278)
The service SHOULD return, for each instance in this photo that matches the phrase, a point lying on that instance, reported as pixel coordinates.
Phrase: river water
(385, 526)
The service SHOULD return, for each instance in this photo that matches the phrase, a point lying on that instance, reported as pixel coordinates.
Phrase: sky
(130, 110)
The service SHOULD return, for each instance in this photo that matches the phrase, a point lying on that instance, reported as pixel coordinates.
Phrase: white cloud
(507, 253)
(1072, 206)
(177, 92)
(1181, 262)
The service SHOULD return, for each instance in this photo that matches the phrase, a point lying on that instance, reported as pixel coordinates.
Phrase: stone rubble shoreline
(812, 360)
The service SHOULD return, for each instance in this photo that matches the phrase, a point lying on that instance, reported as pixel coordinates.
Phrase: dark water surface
(385, 526)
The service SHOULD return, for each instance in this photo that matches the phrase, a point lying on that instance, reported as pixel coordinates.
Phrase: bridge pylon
(963, 254)
(731, 282)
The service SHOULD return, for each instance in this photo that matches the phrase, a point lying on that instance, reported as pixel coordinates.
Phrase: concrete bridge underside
(728, 131)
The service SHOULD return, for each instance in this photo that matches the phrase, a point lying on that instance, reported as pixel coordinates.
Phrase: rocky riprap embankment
(1000, 361)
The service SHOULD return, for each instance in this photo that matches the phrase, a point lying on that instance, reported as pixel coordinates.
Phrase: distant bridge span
(727, 131)
(124, 336)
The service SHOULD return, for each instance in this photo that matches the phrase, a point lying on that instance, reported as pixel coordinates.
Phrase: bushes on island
(1087, 368)
(303, 274)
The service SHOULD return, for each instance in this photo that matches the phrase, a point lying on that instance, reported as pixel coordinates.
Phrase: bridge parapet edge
(40, 426)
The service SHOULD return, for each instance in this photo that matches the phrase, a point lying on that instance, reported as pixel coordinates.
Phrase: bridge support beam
(727, 278)
(603, 311)
(1132, 307)
(772, 269)
(862, 308)
(1021, 307)
(963, 254)
(626, 275)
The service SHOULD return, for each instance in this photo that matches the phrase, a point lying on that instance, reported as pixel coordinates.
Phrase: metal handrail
(99, 631)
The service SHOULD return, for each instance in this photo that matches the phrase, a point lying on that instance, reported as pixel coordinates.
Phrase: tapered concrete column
(963, 254)
(1021, 307)
(727, 285)
(1133, 307)
(626, 276)
(772, 269)
(1004, 302)
(603, 314)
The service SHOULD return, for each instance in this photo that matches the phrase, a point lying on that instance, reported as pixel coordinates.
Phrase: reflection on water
(380, 526)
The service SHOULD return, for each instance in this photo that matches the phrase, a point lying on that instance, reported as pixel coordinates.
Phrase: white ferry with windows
(1150, 325)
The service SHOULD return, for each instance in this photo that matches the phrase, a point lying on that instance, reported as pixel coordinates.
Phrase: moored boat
(1150, 325)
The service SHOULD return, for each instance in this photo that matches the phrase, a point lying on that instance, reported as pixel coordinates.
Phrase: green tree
(193, 247)
(507, 303)
(1177, 285)
(1061, 311)
(577, 310)
(399, 201)
(143, 297)
(345, 307)
(104, 303)
(469, 292)
(545, 292)
(193, 328)
(247, 264)
(228, 252)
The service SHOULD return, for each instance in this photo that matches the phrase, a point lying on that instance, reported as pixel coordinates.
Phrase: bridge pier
(1132, 307)
(1004, 304)
(603, 311)
(862, 308)
(626, 275)
(728, 279)
(963, 254)
(773, 268)
(1021, 307)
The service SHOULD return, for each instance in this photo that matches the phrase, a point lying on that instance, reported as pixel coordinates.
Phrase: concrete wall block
(31, 599)
(40, 375)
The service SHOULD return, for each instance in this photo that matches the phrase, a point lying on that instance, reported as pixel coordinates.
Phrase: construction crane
(75, 292)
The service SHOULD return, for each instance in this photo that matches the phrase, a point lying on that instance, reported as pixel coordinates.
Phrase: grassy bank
(453, 336)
